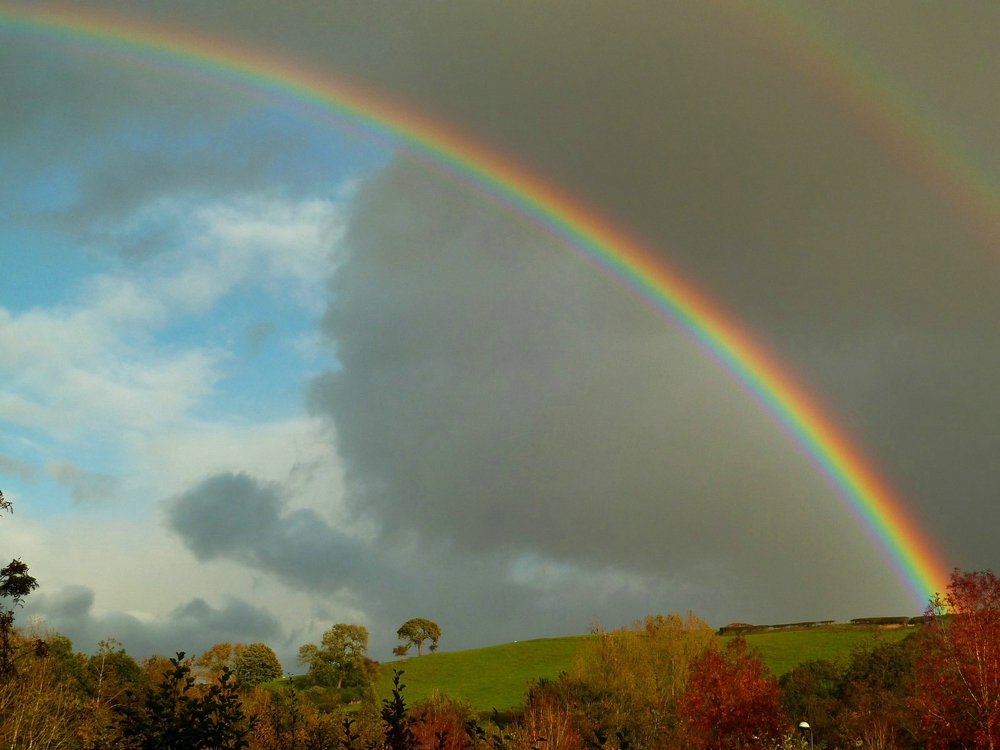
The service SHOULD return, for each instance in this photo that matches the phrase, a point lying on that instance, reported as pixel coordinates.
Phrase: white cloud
(279, 245)
(95, 366)
(297, 453)
(141, 570)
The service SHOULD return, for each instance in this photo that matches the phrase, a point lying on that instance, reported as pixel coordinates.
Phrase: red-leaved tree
(958, 670)
(732, 701)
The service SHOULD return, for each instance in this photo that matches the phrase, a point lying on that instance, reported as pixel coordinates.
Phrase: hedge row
(743, 628)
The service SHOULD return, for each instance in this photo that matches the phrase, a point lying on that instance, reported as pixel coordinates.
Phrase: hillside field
(497, 676)
(491, 677)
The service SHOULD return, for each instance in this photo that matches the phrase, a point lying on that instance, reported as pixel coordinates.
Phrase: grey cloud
(191, 627)
(236, 517)
(24, 470)
(138, 136)
(69, 603)
(496, 393)
(479, 597)
(85, 486)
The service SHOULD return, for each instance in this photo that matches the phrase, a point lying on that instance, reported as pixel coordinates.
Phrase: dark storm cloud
(191, 627)
(497, 393)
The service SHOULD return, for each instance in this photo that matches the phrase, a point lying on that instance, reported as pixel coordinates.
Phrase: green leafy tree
(15, 584)
(396, 719)
(415, 632)
(256, 664)
(111, 671)
(340, 659)
(176, 715)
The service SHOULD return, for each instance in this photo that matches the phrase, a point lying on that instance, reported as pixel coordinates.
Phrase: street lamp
(803, 725)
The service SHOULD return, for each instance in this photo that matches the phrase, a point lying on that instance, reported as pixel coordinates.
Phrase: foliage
(209, 666)
(812, 692)
(176, 715)
(958, 668)
(439, 723)
(876, 691)
(395, 718)
(636, 675)
(341, 658)
(256, 664)
(15, 584)
(552, 717)
(731, 701)
(284, 719)
(415, 632)
(38, 707)
(369, 720)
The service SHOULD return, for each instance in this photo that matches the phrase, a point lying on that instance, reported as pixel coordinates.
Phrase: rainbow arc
(877, 508)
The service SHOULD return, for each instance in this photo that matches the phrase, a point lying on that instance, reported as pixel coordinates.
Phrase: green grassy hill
(497, 676)
(491, 677)
(784, 649)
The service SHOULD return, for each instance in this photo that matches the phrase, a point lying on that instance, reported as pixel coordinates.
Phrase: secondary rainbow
(870, 499)
(903, 124)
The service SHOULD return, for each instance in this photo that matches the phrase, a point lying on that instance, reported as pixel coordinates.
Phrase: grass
(497, 676)
(784, 649)
(491, 677)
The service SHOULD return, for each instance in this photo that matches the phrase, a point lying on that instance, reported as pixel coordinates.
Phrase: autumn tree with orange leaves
(958, 669)
(732, 701)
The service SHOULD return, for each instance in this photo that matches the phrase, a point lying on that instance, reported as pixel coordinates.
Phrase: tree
(732, 701)
(414, 632)
(877, 687)
(176, 715)
(15, 584)
(637, 674)
(958, 666)
(395, 718)
(111, 671)
(340, 659)
(811, 692)
(256, 664)
(210, 665)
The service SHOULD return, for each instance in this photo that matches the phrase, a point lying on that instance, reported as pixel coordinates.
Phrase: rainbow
(873, 503)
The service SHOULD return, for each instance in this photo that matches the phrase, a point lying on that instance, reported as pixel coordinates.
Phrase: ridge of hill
(498, 676)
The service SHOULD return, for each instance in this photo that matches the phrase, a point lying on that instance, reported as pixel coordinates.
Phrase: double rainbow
(869, 498)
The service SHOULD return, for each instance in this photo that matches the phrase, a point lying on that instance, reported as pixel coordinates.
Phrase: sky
(261, 373)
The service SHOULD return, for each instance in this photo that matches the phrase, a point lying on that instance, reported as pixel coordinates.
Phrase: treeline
(666, 682)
